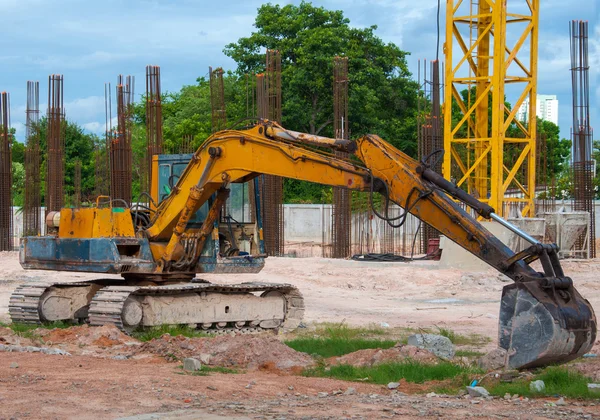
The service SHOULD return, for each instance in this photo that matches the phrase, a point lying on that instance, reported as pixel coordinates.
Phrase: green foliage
(384, 373)
(329, 347)
(557, 150)
(147, 334)
(28, 330)
(207, 370)
(78, 145)
(18, 183)
(18, 152)
(558, 380)
(329, 340)
(382, 96)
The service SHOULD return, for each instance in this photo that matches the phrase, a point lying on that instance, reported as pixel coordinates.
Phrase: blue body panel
(132, 255)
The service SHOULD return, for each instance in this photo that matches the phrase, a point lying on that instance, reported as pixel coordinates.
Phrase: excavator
(204, 217)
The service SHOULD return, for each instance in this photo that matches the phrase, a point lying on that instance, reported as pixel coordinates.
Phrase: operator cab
(239, 225)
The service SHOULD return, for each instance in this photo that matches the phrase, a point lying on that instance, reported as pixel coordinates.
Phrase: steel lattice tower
(480, 60)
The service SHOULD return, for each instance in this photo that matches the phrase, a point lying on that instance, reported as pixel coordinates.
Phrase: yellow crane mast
(490, 46)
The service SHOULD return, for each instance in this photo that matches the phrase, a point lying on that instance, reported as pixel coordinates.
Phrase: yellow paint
(95, 223)
(485, 62)
(154, 182)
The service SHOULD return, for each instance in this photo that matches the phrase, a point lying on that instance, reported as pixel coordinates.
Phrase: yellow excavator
(204, 217)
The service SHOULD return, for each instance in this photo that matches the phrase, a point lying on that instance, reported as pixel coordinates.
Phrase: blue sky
(92, 42)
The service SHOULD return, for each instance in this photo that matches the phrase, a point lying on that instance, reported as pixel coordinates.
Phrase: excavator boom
(543, 319)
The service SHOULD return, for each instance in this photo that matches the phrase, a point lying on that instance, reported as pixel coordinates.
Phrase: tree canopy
(382, 96)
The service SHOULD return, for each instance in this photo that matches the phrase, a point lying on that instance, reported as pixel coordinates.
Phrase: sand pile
(246, 352)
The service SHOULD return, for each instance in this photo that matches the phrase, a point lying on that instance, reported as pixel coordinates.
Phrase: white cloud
(94, 127)
(84, 108)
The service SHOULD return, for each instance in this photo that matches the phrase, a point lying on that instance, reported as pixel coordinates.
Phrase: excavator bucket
(541, 326)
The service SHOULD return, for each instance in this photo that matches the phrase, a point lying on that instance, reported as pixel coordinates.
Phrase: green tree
(18, 152)
(382, 97)
(78, 145)
(18, 183)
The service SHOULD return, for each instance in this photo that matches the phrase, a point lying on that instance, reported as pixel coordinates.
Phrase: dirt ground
(93, 384)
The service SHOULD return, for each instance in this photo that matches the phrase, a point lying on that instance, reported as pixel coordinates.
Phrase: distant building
(546, 108)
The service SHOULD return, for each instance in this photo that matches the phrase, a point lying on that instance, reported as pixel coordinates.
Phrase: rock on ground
(438, 344)
(495, 359)
(191, 365)
(537, 386)
(477, 391)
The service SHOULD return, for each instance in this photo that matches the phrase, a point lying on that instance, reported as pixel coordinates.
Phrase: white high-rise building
(546, 108)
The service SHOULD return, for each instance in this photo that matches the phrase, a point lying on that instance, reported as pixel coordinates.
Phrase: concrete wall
(311, 223)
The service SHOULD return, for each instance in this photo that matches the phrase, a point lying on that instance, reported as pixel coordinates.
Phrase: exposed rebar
(217, 100)
(429, 132)
(582, 134)
(341, 213)
(32, 200)
(55, 161)
(154, 129)
(120, 145)
(6, 219)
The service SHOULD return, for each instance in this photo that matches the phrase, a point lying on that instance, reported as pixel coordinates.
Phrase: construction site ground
(110, 375)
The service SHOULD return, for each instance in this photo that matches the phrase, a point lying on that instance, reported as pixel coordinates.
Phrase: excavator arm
(543, 319)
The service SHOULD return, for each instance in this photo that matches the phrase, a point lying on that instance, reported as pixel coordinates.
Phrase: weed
(207, 370)
(384, 373)
(27, 330)
(147, 334)
(343, 331)
(557, 381)
(329, 347)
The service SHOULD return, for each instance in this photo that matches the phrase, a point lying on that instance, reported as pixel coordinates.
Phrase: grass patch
(147, 334)
(468, 353)
(27, 330)
(207, 370)
(384, 373)
(329, 340)
(343, 331)
(329, 347)
(558, 380)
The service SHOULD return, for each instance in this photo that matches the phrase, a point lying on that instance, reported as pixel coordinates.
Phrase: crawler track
(24, 303)
(106, 306)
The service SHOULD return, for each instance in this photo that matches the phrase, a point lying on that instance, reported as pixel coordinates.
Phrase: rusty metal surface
(32, 200)
(341, 214)
(268, 100)
(154, 121)
(120, 142)
(429, 132)
(6, 221)
(55, 145)
(217, 100)
(582, 133)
